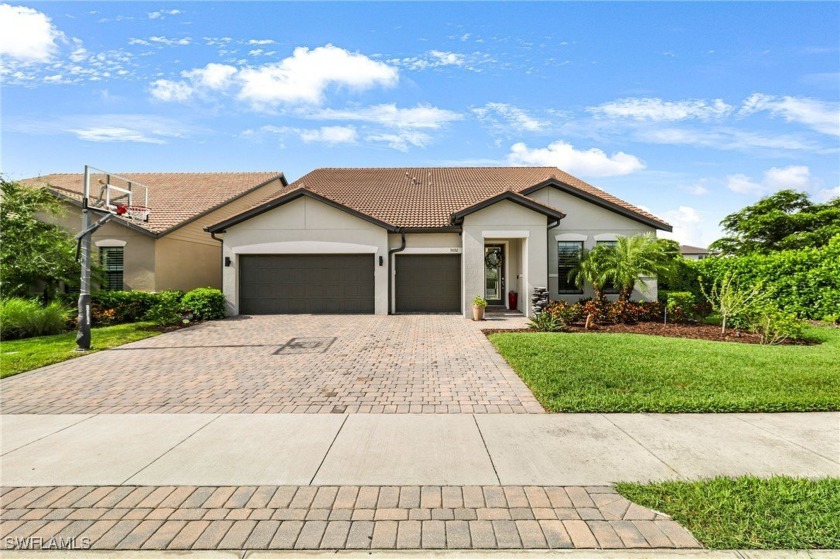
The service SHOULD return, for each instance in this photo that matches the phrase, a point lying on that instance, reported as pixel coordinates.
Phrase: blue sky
(691, 110)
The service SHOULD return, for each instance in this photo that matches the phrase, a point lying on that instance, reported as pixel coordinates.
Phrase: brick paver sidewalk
(347, 517)
(288, 364)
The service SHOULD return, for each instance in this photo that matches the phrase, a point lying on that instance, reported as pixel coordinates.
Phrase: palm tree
(592, 268)
(632, 259)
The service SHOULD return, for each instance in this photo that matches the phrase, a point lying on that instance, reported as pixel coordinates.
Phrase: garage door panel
(307, 283)
(428, 283)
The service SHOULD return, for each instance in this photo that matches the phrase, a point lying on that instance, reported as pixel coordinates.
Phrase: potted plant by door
(478, 307)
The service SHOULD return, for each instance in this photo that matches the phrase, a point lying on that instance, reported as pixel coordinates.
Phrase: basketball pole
(83, 321)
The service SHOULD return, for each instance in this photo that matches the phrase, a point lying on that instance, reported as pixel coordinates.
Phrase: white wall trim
(570, 237)
(431, 250)
(606, 237)
(305, 247)
(505, 234)
(104, 243)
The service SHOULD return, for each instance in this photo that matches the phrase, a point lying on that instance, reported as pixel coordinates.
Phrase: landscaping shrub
(168, 309)
(774, 325)
(805, 282)
(127, 306)
(205, 303)
(546, 321)
(25, 318)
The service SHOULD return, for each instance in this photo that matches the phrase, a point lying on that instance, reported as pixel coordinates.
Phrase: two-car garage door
(344, 283)
(306, 284)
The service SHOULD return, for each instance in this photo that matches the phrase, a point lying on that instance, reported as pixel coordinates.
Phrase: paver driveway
(288, 364)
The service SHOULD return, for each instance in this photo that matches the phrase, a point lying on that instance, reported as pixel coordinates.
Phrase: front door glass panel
(494, 276)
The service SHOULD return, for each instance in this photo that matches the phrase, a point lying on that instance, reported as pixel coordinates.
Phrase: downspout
(392, 251)
(551, 225)
(222, 246)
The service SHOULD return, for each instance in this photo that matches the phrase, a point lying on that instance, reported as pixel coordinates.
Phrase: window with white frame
(568, 255)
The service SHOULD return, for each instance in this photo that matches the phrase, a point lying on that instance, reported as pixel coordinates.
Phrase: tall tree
(784, 220)
(32, 251)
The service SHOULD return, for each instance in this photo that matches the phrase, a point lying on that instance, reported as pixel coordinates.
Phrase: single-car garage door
(306, 283)
(428, 282)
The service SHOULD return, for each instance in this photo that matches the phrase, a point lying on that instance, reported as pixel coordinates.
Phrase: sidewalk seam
(487, 450)
(778, 436)
(638, 442)
(90, 416)
(173, 447)
(327, 453)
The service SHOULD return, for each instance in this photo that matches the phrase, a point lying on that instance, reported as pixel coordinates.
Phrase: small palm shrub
(25, 318)
(205, 303)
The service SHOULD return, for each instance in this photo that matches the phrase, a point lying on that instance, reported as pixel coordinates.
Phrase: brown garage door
(306, 284)
(428, 282)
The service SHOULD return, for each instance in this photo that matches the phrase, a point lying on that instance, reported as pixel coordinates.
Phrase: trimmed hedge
(205, 303)
(804, 282)
(165, 307)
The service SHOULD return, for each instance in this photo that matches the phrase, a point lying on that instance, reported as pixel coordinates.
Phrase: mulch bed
(689, 331)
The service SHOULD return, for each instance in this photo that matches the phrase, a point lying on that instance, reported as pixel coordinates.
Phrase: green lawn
(17, 356)
(749, 512)
(603, 372)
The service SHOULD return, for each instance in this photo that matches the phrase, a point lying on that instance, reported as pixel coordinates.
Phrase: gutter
(391, 252)
(551, 225)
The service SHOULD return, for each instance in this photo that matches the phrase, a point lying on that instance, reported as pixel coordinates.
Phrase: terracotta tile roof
(174, 198)
(427, 197)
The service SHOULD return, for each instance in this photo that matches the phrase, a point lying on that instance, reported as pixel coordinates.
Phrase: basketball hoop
(138, 213)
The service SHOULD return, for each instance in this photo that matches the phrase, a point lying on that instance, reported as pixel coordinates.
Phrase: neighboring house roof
(175, 199)
(686, 249)
(430, 198)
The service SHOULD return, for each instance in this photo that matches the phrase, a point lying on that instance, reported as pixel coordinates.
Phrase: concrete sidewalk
(562, 449)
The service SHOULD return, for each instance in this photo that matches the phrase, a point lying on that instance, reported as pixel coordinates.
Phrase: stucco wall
(139, 254)
(304, 226)
(590, 223)
(186, 265)
(504, 220)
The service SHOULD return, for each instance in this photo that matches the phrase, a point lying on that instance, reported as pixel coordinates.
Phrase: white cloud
(698, 188)
(513, 117)
(213, 76)
(421, 116)
(657, 110)
(822, 116)
(592, 162)
(330, 135)
(115, 134)
(688, 226)
(27, 35)
(168, 90)
(305, 76)
(160, 14)
(826, 194)
(797, 177)
(402, 140)
(742, 184)
(183, 41)
(431, 59)
(725, 139)
(261, 42)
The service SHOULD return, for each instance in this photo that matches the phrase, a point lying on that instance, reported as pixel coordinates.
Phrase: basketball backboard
(116, 194)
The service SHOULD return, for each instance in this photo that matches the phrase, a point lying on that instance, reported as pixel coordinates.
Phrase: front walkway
(288, 364)
(347, 517)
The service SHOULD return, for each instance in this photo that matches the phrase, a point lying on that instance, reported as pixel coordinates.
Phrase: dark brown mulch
(673, 330)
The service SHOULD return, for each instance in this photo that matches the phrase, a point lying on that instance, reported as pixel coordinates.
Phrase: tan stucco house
(171, 250)
(418, 240)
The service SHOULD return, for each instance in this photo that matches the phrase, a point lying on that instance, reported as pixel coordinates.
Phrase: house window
(609, 287)
(568, 254)
(112, 264)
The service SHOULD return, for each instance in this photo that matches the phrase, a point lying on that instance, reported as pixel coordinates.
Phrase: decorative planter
(478, 312)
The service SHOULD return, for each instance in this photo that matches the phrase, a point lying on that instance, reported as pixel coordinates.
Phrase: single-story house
(171, 249)
(401, 240)
(694, 253)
